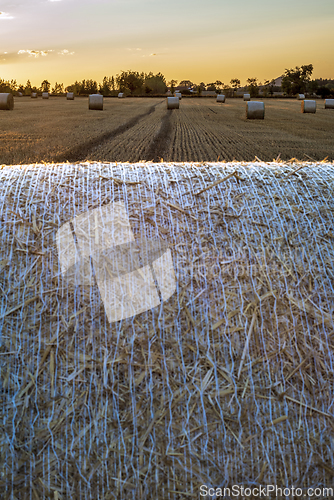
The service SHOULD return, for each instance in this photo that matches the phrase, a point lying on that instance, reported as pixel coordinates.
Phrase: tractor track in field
(159, 146)
(80, 151)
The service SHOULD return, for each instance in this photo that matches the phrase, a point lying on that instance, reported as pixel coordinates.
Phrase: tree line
(294, 81)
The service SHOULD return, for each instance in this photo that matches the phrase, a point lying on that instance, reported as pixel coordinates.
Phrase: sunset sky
(199, 40)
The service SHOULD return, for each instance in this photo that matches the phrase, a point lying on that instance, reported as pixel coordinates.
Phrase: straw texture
(229, 381)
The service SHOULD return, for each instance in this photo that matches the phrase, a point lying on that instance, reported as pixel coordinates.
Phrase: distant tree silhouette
(252, 87)
(45, 86)
(295, 80)
(235, 84)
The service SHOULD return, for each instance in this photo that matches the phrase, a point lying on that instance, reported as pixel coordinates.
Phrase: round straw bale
(309, 106)
(95, 101)
(255, 110)
(178, 94)
(6, 101)
(329, 103)
(19, 94)
(173, 103)
(70, 96)
(246, 97)
(220, 98)
(34, 95)
(120, 95)
(301, 97)
(45, 95)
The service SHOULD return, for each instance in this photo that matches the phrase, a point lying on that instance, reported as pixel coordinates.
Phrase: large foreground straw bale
(6, 101)
(220, 98)
(255, 110)
(308, 106)
(329, 103)
(70, 96)
(246, 97)
(173, 103)
(227, 382)
(95, 101)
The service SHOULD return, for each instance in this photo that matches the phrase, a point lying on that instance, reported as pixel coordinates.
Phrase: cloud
(5, 15)
(131, 50)
(35, 53)
(64, 52)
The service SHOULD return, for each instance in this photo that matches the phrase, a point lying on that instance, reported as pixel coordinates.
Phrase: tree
(295, 80)
(58, 88)
(155, 84)
(268, 87)
(27, 88)
(45, 86)
(172, 84)
(324, 92)
(130, 82)
(186, 83)
(235, 84)
(252, 87)
(218, 84)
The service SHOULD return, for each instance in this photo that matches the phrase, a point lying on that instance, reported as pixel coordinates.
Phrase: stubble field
(136, 129)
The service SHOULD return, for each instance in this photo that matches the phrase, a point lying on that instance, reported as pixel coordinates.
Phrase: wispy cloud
(35, 53)
(132, 50)
(65, 52)
(5, 15)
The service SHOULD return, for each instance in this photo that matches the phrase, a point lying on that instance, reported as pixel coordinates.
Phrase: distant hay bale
(255, 110)
(45, 95)
(34, 95)
(70, 96)
(301, 97)
(220, 98)
(19, 94)
(6, 101)
(173, 103)
(329, 103)
(120, 95)
(95, 101)
(246, 97)
(178, 94)
(309, 106)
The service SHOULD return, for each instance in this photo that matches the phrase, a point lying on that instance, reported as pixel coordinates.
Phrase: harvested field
(143, 129)
(228, 382)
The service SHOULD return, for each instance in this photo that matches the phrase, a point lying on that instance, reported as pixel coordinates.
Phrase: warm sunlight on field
(137, 129)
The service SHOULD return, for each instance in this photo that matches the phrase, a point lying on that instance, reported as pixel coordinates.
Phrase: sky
(197, 40)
